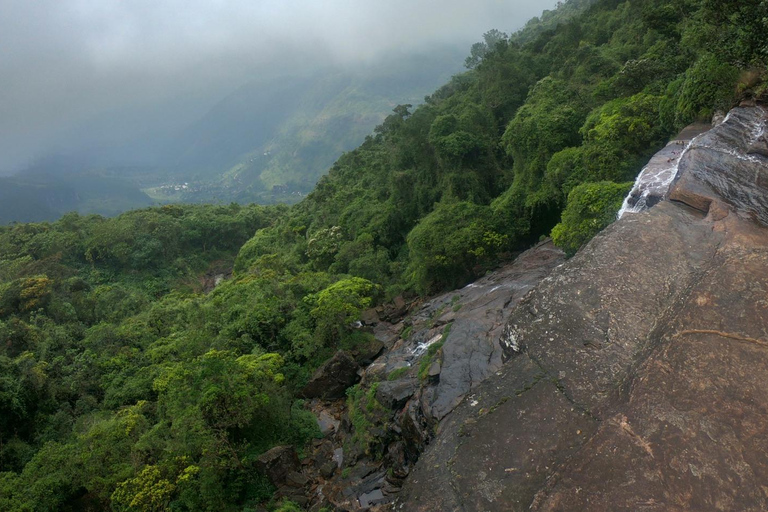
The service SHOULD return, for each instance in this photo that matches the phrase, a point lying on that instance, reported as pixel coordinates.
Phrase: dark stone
(363, 471)
(434, 370)
(369, 317)
(414, 432)
(394, 394)
(331, 380)
(395, 460)
(386, 333)
(277, 463)
(328, 469)
(296, 479)
(370, 483)
(327, 423)
(365, 353)
(369, 499)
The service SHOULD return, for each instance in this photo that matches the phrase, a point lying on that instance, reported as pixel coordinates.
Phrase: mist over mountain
(267, 141)
(183, 101)
(84, 74)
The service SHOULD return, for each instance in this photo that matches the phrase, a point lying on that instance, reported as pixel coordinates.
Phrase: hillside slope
(271, 140)
(130, 382)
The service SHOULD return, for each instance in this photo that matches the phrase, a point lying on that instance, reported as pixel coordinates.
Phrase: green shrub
(449, 242)
(591, 207)
(709, 84)
(397, 373)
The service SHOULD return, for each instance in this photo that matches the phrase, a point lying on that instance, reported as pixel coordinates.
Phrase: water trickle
(421, 348)
(730, 141)
(654, 180)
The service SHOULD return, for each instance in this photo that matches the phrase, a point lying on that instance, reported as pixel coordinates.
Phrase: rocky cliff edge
(635, 374)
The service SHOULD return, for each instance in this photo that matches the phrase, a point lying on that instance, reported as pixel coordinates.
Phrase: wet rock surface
(434, 354)
(652, 185)
(727, 165)
(466, 323)
(634, 374)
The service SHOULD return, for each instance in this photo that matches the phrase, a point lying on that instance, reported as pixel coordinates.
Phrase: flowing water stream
(654, 181)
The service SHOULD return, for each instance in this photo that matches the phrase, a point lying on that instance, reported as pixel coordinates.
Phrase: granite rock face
(476, 315)
(635, 373)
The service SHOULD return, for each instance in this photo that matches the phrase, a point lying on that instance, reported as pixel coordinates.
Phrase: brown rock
(296, 479)
(635, 374)
(370, 317)
(394, 394)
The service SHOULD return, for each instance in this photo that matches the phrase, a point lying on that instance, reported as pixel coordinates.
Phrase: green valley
(126, 384)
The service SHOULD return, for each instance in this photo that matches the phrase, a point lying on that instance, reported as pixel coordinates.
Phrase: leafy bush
(447, 244)
(591, 207)
(710, 84)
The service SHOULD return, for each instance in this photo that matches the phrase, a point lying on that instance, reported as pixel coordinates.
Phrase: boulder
(365, 352)
(369, 317)
(332, 379)
(277, 463)
(328, 469)
(369, 499)
(327, 423)
(296, 479)
(394, 394)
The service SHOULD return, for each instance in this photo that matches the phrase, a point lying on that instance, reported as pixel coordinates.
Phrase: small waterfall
(422, 348)
(653, 182)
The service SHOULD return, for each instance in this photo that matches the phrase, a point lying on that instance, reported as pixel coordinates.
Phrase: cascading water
(654, 181)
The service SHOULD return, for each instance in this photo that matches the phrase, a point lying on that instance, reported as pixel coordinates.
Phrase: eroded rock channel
(430, 356)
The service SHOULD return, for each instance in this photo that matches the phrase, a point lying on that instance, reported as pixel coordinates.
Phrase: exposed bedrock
(432, 358)
(635, 373)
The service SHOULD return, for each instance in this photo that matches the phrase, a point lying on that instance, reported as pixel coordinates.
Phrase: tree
(591, 207)
(338, 306)
(492, 40)
(448, 243)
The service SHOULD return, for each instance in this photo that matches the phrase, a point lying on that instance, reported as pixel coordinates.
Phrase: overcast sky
(65, 62)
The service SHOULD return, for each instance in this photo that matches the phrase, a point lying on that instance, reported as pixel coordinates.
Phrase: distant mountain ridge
(269, 141)
(277, 137)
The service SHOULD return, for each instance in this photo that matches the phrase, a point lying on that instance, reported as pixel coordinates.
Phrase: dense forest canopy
(124, 386)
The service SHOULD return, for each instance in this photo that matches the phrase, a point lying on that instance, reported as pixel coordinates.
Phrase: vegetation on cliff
(123, 386)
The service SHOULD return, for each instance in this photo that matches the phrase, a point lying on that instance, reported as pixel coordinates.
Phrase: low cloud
(64, 63)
